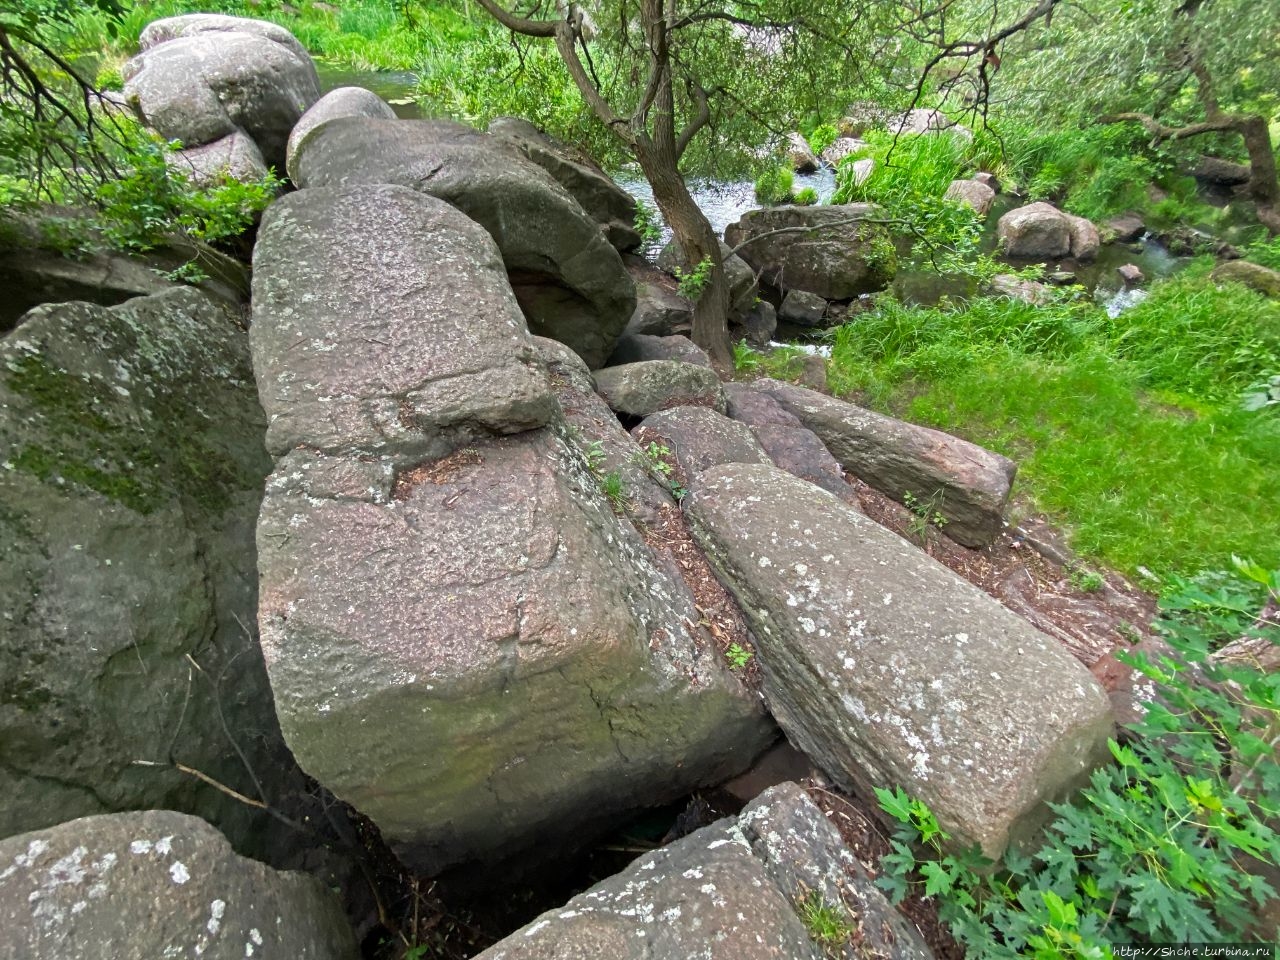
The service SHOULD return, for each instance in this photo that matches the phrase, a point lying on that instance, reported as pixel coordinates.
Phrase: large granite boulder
(1040, 231)
(831, 250)
(569, 280)
(344, 281)
(340, 102)
(189, 24)
(647, 386)
(198, 84)
(730, 891)
(699, 437)
(476, 653)
(453, 616)
(897, 458)
(659, 311)
(888, 669)
(611, 206)
(156, 884)
(788, 442)
(972, 193)
(132, 445)
(743, 289)
(235, 156)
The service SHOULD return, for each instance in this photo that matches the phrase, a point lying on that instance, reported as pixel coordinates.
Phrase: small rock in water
(1131, 274)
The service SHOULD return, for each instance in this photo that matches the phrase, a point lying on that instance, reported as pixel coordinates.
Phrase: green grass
(908, 167)
(1127, 432)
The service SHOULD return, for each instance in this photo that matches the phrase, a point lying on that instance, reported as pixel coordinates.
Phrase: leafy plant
(1265, 393)
(1085, 580)
(823, 136)
(613, 487)
(806, 197)
(774, 186)
(594, 452)
(648, 223)
(926, 515)
(1160, 846)
(656, 456)
(737, 655)
(828, 924)
(695, 281)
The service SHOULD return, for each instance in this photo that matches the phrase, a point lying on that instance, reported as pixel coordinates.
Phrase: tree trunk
(698, 240)
(1264, 186)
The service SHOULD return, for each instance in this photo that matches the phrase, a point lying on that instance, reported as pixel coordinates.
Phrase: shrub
(774, 186)
(823, 136)
(1159, 847)
(806, 197)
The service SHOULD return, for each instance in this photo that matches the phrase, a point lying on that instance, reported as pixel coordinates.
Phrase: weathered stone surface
(760, 323)
(699, 437)
(973, 193)
(1017, 288)
(841, 148)
(1038, 230)
(142, 886)
(634, 347)
(235, 156)
(639, 389)
(446, 641)
(788, 442)
(340, 102)
(202, 86)
(1252, 275)
(1130, 274)
(800, 155)
(828, 250)
(988, 179)
(1126, 228)
(888, 669)
(565, 365)
(383, 321)
(607, 203)
(803, 309)
(133, 461)
(899, 458)
(190, 24)
(659, 312)
(742, 280)
(1085, 239)
(1225, 172)
(569, 280)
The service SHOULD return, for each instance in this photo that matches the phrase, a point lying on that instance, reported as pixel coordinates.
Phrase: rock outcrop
(699, 437)
(800, 155)
(452, 614)
(235, 156)
(971, 484)
(639, 389)
(1254, 276)
(568, 279)
(634, 347)
(131, 440)
(340, 102)
(829, 251)
(202, 77)
(143, 886)
(888, 669)
(733, 889)
(606, 202)
(659, 312)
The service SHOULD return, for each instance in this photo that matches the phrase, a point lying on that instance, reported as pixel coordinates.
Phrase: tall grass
(1128, 432)
(907, 167)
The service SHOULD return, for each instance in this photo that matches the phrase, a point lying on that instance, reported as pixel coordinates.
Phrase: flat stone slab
(888, 669)
(479, 655)
(153, 885)
(699, 438)
(383, 321)
(647, 386)
(729, 891)
(972, 484)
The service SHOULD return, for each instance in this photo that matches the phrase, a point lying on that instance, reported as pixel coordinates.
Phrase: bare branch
(700, 119)
(522, 25)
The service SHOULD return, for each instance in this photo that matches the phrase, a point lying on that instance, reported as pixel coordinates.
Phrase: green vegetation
(780, 363)
(1163, 845)
(828, 924)
(737, 656)
(694, 283)
(658, 458)
(806, 197)
(926, 516)
(774, 186)
(1130, 432)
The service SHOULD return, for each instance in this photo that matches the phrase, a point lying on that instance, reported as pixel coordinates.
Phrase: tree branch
(700, 119)
(521, 25)
(1160, 131)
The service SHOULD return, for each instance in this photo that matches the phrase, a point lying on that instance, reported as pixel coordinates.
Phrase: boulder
(659, 312)
(788, 442)
(235, 156)
(606, 202)
(634, 347)
(1085, 239)
(742, 280)
(1018, 288)
(131, 438)
(860, 117)
(190, 24)
(860, 171)
(988, 179)
(1215, 170)
(898, 458)
(340, 102)
(888, 669)
(204, 85)
(760, 323)
(841, 148)
(802, 309)
(1126, 228)
(699, 437)
(141, 886)
(800, 155)
(382, 320)
(1254, 276)
(828, 251)
(570, 282)
(639, 389)
(972, 193)
(1130, 274)
(477, 654)
(734, 889)
(920, 121)
(1036, 231)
